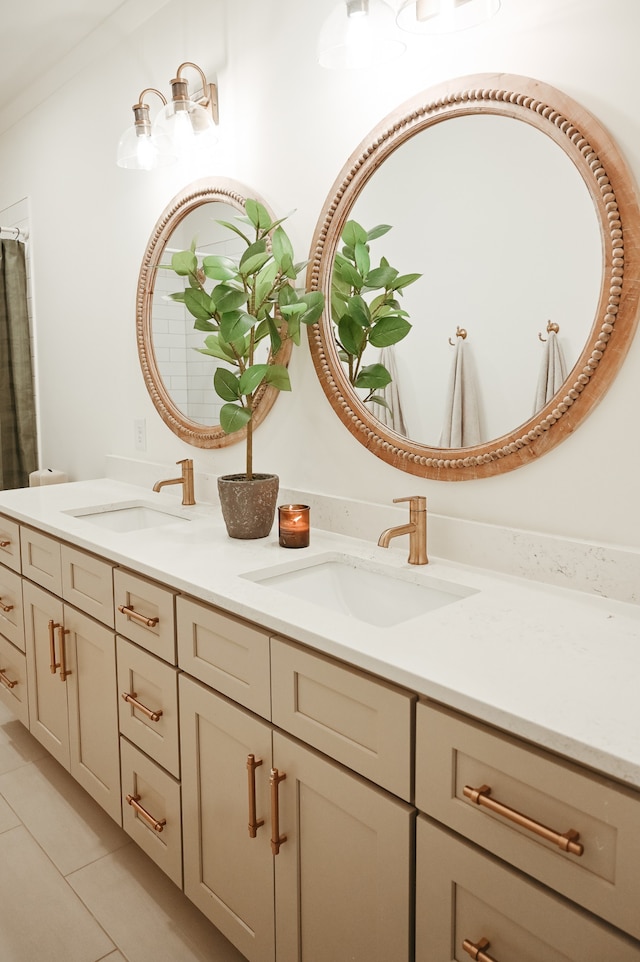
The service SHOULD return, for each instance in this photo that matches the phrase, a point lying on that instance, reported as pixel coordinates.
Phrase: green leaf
(177, 296)
(348, 273)
(235, 324)
(363, 261)
(226, 384)
(233, 418)
(274, 334)
(200, 324)
(252, 378)
(353, 234)
(226, 298)
(265, 281)
(198, 303)
(258, 247)
(235, 229)
(381, 277)
(376, 399)
(257, 214)
(217, 348)
(389, 331)
(351, 335)
(314, 301)
(359, 311)
(289, 310)
(373, 376)
(184, 262)
(219, 268)
(404, 280)
(287, 295)
(282, 248)
(378, 231)
(338, 305)
(278, 376)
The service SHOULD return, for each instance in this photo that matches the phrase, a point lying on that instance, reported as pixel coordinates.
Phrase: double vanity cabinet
(311, 810)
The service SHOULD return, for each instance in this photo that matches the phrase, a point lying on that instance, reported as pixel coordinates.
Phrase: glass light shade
(358, 34)
(187, 126)
(139, 150)
(444, 16)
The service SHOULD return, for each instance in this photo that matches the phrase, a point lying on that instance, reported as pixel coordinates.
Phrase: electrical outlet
(140, 434)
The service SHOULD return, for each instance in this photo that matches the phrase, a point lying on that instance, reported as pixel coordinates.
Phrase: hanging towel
(461, 427)
(552, 372)
(391, 416)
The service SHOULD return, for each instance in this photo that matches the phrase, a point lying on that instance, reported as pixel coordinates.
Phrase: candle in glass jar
(293, 525)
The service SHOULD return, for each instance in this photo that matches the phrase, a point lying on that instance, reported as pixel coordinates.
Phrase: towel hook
(552, 328)
(460, 332)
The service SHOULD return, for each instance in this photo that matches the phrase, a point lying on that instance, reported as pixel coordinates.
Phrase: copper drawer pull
(254, 823)
(276, 838)
(64, 671)
(5, 681)
(136, 616)
(53, 664)
(4, 544)
(131, 698)
(477, 950)
(568, 841)
(156, 825)
(5, 608)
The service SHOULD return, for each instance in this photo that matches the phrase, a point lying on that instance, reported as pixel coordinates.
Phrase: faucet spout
(186, 480)
(416, 528)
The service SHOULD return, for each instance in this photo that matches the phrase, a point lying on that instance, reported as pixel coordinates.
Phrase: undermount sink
(363, 590)
(132, 516)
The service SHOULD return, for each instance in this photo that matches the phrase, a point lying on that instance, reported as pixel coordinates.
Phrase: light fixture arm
(142, 120)
(180, 90)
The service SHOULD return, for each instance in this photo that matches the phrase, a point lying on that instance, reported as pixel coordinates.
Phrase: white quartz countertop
(559, 668)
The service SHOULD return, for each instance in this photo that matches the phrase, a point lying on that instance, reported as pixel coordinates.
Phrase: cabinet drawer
(11, 618)
(464, 894)
(153, 684)
(41, 559)
(13, 680)
(10, 543)
(159, 833)
(452, 753)
(225, 653)
(145, 613)
(87, 583)
(364, 723)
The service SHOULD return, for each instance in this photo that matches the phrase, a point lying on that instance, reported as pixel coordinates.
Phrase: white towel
(461, 427)
(552, 372)
(391, 416)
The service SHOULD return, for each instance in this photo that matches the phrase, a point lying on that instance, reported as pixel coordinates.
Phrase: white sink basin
(371, 593)
(132, 516)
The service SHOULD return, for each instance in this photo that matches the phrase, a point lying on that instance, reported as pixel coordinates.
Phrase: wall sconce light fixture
(444, 16)
(358, 34)
(182, 126)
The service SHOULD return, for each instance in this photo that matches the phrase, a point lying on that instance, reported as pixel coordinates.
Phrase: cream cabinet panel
(225, 653)
(11, 620)
(87, 583)
(145, 613)
(152, 810)
(48, 718)
(9, 543)
(602, 873)
(344, 869)
(41, 559)
(228, 873)
(364, 723)
(13, 680)
(465, 896)
(148, 704)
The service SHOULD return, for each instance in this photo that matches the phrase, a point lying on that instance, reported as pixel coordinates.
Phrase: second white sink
(374, 594)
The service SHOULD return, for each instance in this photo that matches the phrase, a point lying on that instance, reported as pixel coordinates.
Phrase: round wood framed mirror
(178, 377)
(552, 239)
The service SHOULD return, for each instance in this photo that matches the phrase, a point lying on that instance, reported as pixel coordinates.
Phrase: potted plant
(252, 300)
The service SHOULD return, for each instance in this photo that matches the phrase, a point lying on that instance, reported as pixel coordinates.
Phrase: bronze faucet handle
(418, 501)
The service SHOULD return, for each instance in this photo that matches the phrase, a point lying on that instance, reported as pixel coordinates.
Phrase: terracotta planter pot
(248, 505)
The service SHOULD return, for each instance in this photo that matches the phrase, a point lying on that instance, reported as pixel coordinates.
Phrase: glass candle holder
(293, 525)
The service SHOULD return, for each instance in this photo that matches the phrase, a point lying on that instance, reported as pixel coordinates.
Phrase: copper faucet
(416, 528)
(186, 480)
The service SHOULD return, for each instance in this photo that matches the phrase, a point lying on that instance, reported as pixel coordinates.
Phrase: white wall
(287, 127)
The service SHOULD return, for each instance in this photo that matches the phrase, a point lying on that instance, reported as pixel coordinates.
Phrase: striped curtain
(18, 441)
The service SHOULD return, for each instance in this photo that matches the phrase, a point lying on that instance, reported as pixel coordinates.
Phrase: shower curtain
(18, 443)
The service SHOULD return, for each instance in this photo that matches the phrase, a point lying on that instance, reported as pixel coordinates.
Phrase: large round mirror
(178, 376)
(478, 251)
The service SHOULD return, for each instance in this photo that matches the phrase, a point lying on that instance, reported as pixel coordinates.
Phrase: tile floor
(73, 887)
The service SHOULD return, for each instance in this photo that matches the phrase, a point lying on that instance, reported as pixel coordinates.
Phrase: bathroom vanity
(327, 781)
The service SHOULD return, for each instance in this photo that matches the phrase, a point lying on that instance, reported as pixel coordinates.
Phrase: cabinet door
(48, 722)
(93, 709)
(13, 680)
(344, 872)
(227, 873)
(11, 620)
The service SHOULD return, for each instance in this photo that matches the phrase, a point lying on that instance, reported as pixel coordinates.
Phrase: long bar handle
(567, 841)
(5, 681)
(64, 671)
(134, 615)
(53, 664)
(477, 950)
(254, 823)
(5, 608)
(156, 825)
(132, 699)
(276, 838)
(4, 544)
